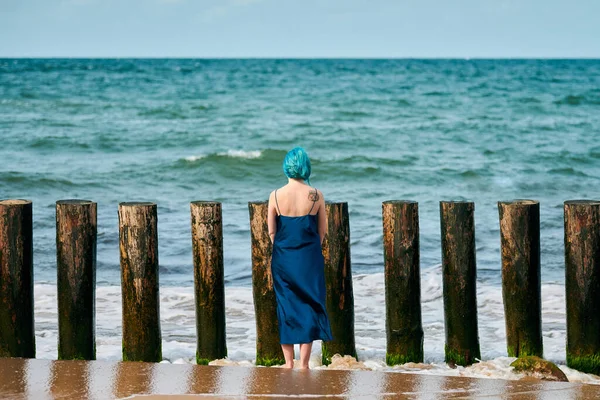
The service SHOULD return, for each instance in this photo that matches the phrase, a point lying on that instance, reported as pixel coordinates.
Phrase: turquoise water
(173, 131)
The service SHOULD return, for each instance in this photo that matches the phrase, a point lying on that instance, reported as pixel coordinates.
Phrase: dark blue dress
(299, 280)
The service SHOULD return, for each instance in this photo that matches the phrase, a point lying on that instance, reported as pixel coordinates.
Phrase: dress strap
(314, 201)
(276, 203)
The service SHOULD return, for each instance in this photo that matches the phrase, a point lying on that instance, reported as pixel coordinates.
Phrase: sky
(301, 28)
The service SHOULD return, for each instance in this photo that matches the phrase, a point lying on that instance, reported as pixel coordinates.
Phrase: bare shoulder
(273, 197)
(315, 194)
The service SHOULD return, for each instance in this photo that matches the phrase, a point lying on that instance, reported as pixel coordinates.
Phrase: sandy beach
(46, 379)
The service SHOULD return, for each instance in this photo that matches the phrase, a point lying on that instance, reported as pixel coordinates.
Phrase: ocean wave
(401, 161)
(163, 113)
(353, 113)
(578, 100)
(528, 100)
(63, 143)
(244, 154)
(34, 181)
(567, 171)
(467, 173)
(594, 153)
(195, 158)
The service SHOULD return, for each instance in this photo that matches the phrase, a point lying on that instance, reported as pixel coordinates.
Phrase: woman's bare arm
(322, 218)
(271, 217)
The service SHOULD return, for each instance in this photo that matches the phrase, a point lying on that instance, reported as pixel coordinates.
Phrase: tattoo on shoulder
(313, 195)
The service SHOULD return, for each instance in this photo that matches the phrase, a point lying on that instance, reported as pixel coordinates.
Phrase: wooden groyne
(76, 233)
(582, 270)
(519, 238)
(521, 283)
(401, 256)
(459, 282)
(209, 280)
(17, 337)
(338, 282)
(268, 350)
(138, 242)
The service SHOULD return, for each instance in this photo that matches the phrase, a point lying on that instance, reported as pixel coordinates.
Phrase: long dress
(298, 272)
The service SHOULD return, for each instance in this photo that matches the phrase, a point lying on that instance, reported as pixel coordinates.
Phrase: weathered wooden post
(459, 282)
(582, 269)
(521, 285)
(17, 338)
(76, 232)
(402, 282)
(338, 280)
(207, 246)
(268, 348)
(138, 237)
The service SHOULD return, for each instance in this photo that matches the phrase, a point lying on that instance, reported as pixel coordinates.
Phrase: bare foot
(288, 366)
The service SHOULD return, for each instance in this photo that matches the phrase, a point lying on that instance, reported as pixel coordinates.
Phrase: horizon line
(592, 58)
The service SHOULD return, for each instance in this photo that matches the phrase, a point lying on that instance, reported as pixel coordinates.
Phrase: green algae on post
(209, 281)
(138, 242)
(521, 284)
(268, 348)
(459, 282)
(404, 328)
(17, 336)
(338, 282)
(202, 361)
(269, 362)
(582, 284)
(407, 357)
(76, 233)
(589, 364)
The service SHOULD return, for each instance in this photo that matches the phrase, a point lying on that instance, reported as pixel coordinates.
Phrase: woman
(297, 226)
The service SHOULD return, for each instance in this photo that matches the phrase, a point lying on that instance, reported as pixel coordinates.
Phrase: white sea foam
(179, 332)
(242, 154)
(250, 154)
(195, 158)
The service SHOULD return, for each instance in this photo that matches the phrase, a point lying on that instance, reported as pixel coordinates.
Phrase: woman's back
(295, 200)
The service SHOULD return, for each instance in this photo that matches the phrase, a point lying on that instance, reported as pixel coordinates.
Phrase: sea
(172, 131)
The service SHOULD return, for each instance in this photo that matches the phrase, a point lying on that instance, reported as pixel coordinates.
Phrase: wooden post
(338, 280)
(582, 270)
(17, 338)
(459, 282)
(76, 232)
(207, 246)
(402, 282)
(138, 237)
(521, 285)
(268, 348)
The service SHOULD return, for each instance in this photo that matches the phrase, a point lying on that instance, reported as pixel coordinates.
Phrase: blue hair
(296, 164)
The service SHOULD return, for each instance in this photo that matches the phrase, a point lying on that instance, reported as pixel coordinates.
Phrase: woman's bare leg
(288, 353)
(305, 349)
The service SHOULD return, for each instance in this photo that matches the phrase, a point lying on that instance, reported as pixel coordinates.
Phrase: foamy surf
(179, 331)
(250, 154)
(242, 154)
(195, 158)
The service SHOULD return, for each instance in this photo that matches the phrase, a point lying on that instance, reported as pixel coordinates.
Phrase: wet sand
(46, 379)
